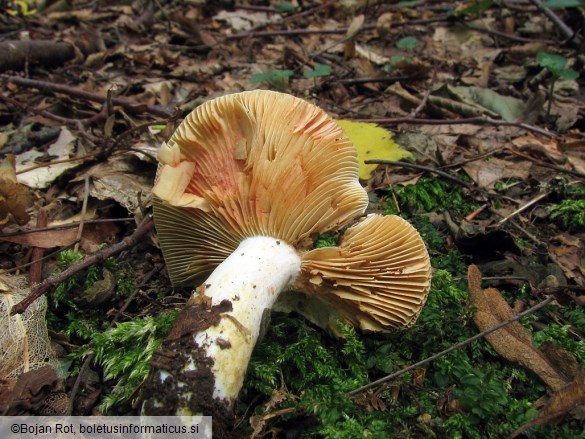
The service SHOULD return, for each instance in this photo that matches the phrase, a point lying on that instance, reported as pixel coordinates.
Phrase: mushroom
(245, 184)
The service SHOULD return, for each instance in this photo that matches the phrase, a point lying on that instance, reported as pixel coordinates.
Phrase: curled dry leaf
(485, 173)
(567, 251)
(555, 366)
(15, 198)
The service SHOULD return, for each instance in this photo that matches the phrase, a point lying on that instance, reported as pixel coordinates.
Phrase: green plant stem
(470, 340)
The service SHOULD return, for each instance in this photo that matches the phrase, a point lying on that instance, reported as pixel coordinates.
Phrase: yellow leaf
(372, 142)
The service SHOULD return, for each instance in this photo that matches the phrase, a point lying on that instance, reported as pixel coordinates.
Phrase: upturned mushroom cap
(378, 277)
(249, 164)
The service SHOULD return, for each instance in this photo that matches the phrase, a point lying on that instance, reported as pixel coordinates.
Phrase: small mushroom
(245, 184)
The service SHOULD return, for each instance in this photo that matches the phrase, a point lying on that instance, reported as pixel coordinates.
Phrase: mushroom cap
(378, 277)
(248, 164)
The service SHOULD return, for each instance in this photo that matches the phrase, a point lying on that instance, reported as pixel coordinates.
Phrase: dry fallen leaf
(567, 251)
(45, 239)
(41, 177)
(555, 366)
(513, 341)
(487, 172)
(15, 198)
(372, 142)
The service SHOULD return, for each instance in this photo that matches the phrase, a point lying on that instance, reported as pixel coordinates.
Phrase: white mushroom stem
(251, 278)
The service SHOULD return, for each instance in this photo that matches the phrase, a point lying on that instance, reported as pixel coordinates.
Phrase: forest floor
(486, 109)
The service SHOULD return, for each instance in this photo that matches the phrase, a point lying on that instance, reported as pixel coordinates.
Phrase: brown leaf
(540, 147)
(567, 251)
(45, 239)
(513, 342)
(555, 366)
(565, 400)
(487, 172)
(100, 292)
(15, 198)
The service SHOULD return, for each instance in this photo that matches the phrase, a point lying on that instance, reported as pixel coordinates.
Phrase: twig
(65, 226)
(51, 282)
(17, 54)
(44, 258)
(293, 32)
(522, 208)
(36, 259)
(547, 165)
(472, 215)
(443, 174)
(528, 234)
(55, 162)
(77, 383)
(135, 107)
(480, 120)
(503, 34)
(473, 159)
(565, 30)
(309, 11)
(62, 120)
(414, 113)
(83, 212)
(285, 32)
(470, 340)
(385, 79)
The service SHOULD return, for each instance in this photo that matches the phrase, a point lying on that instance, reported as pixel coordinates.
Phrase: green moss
(65, 314)
(124, 352)
(326, 240)
(432, 237)
(569, 212)
(430, 195)
(560, 336)
(493, 397)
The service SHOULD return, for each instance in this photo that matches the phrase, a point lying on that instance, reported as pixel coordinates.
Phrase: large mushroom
(245, 184)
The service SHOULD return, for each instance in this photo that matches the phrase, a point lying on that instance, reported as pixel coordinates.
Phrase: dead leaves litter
(555, 366)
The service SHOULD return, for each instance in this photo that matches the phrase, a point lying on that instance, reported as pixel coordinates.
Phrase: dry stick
(51, 282)
(83, 212)
(472, 215)
(294, 32)
(533, 201)
(62, 120)
(473, 159)
(350, 81)
(44, 258)
(566, 30)
(55, 162)
(309, 11)
(36, 260)
(16, 54)
(420, 168)
(503, 34)
(528, 234)
(451, 349)
(135, 107)
(287, 33)
(65, 226)
(480, 120)
(547, 165)
(423, 103)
